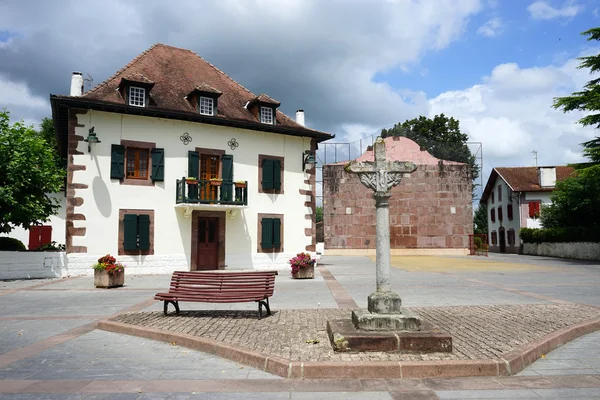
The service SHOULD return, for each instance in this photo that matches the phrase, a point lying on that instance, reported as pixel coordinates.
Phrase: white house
(166, 116)
(514, 197)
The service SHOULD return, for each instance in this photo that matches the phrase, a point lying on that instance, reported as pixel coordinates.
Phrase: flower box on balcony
(216, 182)
(191, 181)
(240, 184)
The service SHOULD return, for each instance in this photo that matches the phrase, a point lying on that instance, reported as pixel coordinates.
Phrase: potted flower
(108, 273)
(190, 180)
(216, 181)
(240, 184)
(303, 266)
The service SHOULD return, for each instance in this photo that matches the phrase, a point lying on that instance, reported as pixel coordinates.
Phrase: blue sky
(520, 39)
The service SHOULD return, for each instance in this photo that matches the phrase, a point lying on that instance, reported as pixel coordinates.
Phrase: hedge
(560, 235)
(11, 244)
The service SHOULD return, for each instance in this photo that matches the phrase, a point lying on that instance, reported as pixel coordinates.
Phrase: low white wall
(579, 250)
(32, 264)
(81, 264)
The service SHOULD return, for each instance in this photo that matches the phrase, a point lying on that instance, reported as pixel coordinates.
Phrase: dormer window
(266, 115)
(137, 96)
(135, 89)
(206, 105)
(205, 99)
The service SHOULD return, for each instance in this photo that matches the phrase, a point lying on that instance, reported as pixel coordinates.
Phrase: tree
(49, 134)
(576, 200)
(480, 220)
(319, 214)
(440, 136)
(29, 172)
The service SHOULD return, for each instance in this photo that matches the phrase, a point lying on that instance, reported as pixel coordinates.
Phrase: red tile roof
(175, 73)
(523, 179)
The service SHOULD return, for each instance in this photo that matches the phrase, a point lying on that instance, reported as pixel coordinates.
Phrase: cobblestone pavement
(479, 332)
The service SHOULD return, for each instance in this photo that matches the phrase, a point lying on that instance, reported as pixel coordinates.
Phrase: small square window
(137, 96)
(266, 115)
(206, 106)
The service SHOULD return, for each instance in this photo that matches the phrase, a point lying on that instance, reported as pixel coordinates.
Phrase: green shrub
(11, 244)
(478, 242)
(564, 235)
(53, 246)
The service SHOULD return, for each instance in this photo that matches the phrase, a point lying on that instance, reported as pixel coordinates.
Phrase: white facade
(500, 198)
(104, 197)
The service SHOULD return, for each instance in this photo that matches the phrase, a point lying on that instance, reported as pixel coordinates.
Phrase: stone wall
(430, 209)
(579, 251)
(32, 264)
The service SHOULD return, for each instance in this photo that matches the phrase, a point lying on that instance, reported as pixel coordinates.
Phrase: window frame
(493, 214)
(211, 108)
(141, 90)
(494, 238)
(121, 251)
(509, 212)
(500, 214)
(262, 157)
(499, 193)
(136, 154)
(259, 247)
(263, 116)
(149, 146)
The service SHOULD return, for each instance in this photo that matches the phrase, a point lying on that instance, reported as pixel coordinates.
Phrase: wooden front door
(208, 243)
(502, 233)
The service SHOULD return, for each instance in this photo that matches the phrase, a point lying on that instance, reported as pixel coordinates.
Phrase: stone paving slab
(479, 332)
(489, 340)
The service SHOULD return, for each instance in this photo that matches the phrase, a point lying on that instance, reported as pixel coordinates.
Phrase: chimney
(547, 176)
(76, 84)
(300, 117)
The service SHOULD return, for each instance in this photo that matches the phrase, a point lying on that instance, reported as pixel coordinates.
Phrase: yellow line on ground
(449, 264)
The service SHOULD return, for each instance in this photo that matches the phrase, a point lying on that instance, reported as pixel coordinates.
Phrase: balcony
(225, 193)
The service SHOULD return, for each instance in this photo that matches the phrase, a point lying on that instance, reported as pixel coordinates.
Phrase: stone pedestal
(402, 321)
(384, 302)
(305, 273)
(346, 338)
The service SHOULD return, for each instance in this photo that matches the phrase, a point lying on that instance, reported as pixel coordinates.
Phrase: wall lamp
(91, 139)
(307, 158)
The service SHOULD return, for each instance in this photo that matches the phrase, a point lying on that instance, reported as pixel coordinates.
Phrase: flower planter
(240, 185)
(102, 279)
(191, 181)
(305, 273)
(216, 183)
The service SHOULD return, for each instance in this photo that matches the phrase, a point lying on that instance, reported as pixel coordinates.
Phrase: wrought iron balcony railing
(212, 192)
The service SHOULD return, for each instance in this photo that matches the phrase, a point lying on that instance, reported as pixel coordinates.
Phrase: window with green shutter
(130, 232)
(136, 231)
(193, 164)
(272, 173)
(117, 161)
(270, 233)
(158, 165)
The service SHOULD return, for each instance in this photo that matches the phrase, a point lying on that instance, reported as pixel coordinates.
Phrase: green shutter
(193, 164)
(276, 232)
(267, 233)
(144, 231)
(158, 164)
(227, 175)
(117, 161)
(130, 232)
(276, 174)
(267, 174)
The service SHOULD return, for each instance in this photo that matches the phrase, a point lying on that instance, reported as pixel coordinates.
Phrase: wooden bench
(220, 287)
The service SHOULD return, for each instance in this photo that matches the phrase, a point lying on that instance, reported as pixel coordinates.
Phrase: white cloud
(310, 54)
(493, 27)
(542, 10)
(22, 104)
(511, 113)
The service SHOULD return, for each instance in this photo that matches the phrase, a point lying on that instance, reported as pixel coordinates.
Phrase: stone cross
(380, 176)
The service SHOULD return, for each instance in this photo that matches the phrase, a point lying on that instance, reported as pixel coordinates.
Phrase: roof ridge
(128, 65)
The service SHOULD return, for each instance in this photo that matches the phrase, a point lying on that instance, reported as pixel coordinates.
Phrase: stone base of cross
(384, 305)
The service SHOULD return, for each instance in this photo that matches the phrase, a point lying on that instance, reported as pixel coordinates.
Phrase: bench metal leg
(175, 304)
(264, 303)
